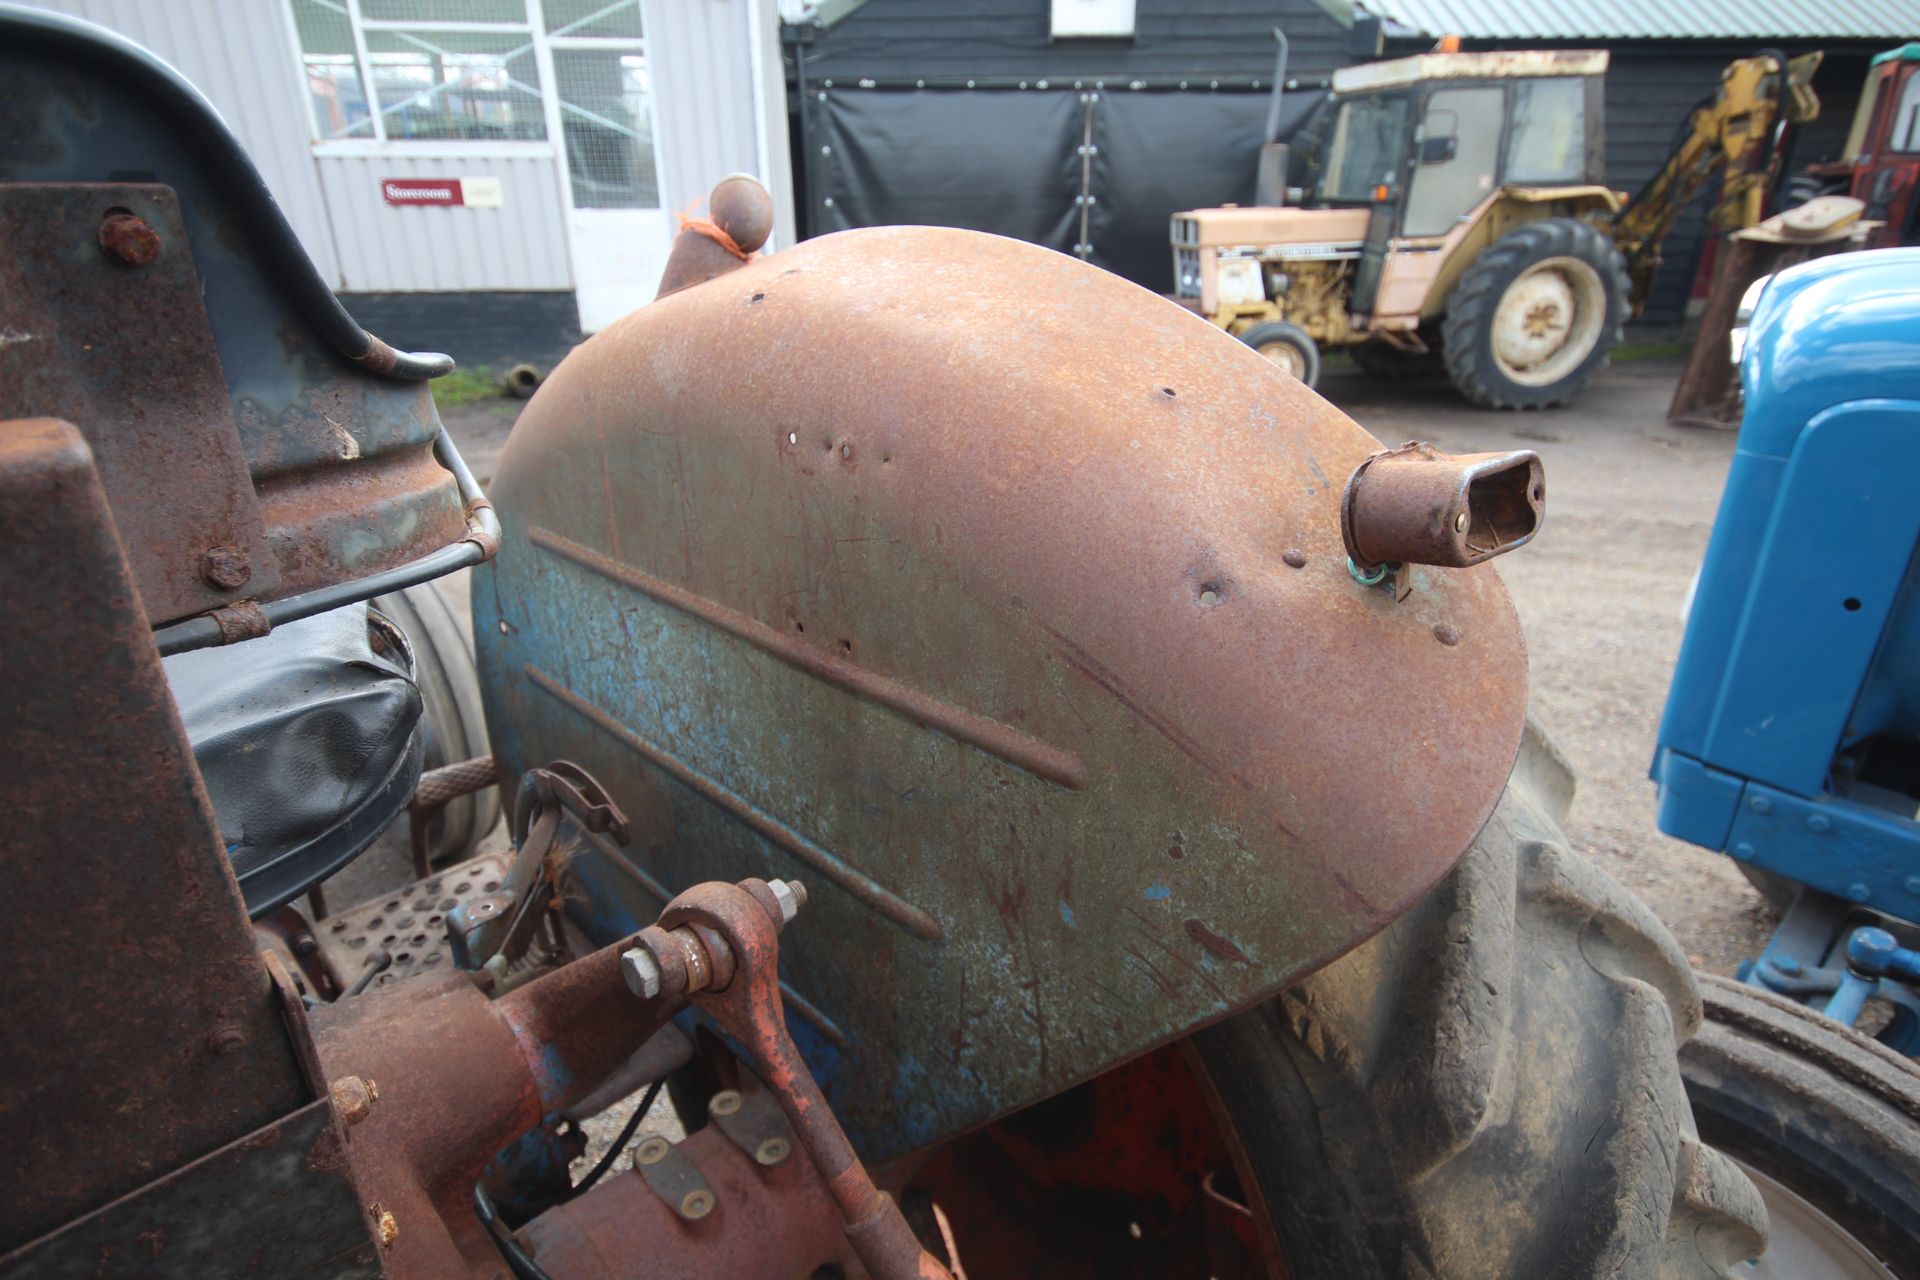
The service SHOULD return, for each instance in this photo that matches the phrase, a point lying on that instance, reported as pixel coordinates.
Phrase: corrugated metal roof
(1655, 19)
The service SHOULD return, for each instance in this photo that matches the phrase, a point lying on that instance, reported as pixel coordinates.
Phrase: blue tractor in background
(1791, 743)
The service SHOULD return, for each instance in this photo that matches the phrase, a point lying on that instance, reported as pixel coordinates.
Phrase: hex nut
(641, 971)
(353, 1098)
(791, 895)
(225, 568)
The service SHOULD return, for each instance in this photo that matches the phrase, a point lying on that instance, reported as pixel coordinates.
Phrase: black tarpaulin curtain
(1008, 161)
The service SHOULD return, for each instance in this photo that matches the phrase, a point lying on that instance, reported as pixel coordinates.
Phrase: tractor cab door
(1889, 165)
(1367, 163)
(1456, 160)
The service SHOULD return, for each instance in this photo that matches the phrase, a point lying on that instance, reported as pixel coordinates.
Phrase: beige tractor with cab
(1458, 220)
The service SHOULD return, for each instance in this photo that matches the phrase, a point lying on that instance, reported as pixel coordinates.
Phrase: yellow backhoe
(1458, 218)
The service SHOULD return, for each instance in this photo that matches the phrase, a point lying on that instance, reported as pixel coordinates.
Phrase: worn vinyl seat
(309, 741)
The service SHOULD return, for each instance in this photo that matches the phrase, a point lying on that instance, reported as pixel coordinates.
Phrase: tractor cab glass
(1458, 157)
(1367, 150)
(1903, 131)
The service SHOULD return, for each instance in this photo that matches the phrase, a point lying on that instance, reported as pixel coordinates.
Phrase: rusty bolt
(641, 971)
(353, 1098)
(772, 1151)
(127, 238)
(225, 568)
(222, 1041)
(724, 1103)
(696, 1204)
(791, 895)
(652, 1149)
(384, 1225)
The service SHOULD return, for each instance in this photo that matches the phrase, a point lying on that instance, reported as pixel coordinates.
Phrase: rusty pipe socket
(1416, 505)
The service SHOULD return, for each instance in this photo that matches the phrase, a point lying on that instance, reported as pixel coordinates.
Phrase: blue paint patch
(1066, 914)
(1158, 891)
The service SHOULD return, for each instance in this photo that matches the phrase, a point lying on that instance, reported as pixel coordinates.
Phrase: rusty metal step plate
(410, 924)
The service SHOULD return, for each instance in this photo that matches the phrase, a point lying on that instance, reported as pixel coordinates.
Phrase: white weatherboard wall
(719, 107)
(387, 249)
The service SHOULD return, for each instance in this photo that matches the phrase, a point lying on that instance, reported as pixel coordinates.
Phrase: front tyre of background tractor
(1535, 315)
(1489, 1088)
(1289, 346)
(1827, 1122)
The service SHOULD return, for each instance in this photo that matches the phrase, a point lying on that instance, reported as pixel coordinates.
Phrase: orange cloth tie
(713, 231)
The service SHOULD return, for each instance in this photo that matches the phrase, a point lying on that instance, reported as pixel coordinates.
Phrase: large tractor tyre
(455, 724)
(1535, 315)
(1397, 364)
(1489, 1088)
(1289, 346)
(1827, 1121)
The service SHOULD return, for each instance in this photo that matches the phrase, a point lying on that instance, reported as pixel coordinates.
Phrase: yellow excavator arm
(1733, 131)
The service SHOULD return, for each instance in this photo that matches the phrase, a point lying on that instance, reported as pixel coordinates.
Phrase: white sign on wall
(1084, 19)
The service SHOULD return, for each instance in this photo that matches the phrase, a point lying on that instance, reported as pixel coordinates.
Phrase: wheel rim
(1549, 321)
(1804, 1243)
(1286, 355)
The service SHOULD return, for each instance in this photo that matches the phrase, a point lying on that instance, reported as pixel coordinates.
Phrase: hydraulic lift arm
(1734, 131)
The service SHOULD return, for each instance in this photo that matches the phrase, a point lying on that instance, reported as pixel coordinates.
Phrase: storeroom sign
(475, 193)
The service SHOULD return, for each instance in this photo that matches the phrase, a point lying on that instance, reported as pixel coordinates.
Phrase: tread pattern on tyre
(1467, 329)
(1489, 1088)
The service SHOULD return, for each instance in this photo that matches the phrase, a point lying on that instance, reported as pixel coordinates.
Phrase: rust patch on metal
(128, 357)
(865, 888)
(1029, 753)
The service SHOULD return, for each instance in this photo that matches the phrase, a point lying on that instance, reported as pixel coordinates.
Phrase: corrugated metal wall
(240, 54)
(520, 245)
(697, 51)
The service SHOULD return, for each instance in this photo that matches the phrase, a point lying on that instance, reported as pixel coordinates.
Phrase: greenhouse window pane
(607, 117)
(444, 10)
(456, 85)
(615, 20)
(334, 88)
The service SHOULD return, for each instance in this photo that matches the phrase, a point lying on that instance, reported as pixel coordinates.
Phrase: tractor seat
(308, 739)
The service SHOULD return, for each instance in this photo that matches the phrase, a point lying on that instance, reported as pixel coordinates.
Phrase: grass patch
(1654, 349)
(467, 386)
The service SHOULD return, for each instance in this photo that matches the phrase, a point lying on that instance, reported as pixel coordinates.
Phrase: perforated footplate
(409, 924)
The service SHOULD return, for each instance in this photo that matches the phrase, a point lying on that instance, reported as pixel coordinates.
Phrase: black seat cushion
(308, 740)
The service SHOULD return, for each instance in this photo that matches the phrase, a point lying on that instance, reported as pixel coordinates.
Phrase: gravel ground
(1630, 502)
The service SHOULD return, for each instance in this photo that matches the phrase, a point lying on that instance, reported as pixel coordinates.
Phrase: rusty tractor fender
(1029, 646)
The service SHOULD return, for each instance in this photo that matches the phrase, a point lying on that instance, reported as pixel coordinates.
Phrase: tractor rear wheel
(1488, 1088)
(1535, 315)
(1289, 346)
(1827, 1120)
